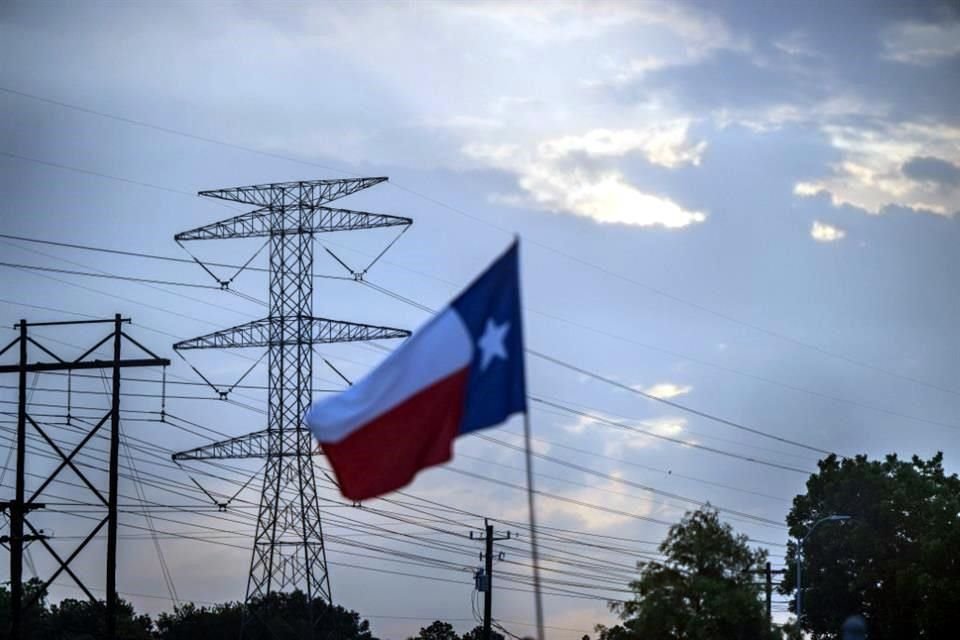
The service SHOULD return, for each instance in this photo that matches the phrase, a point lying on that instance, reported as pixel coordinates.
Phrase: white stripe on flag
(440, 348)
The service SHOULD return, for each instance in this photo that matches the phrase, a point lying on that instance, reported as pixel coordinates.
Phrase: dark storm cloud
(793, 55)
(925, 169)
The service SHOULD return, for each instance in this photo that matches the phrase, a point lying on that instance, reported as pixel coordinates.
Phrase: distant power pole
(767, 573)
(288, 547)
(487, 583)
(769, 591)
(22, 504)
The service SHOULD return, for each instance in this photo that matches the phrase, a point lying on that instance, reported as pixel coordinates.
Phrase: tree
(279, 616)
(219, 622)
(704, 590)
(895, 562)
(616, 632)
(35, 619)
(477, 634)
(437, 631)
(72, 619)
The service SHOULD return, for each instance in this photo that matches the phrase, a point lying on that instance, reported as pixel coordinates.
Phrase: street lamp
(801, 542)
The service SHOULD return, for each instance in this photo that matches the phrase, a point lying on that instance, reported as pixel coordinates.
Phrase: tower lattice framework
(288, 547)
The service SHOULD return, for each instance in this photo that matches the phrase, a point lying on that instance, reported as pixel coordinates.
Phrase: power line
(649, 288)
(111, 276)
(675, 405)
(552, 443)
(659, 436)
(736, 444)
(628, 388)
(606, 476)
(651, 434)
(668, 472)
(630, 340)
(152, 256)
(640, 392)
(583, 469)
(191, 524)
(57, 165)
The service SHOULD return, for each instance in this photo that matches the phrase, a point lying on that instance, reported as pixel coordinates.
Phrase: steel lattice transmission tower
(288, 548)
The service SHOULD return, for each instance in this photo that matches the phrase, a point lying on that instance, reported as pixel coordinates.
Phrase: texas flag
(462, 371)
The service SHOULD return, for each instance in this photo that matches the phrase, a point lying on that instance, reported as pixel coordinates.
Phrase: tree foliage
(437, 630)
(705, 589)
(71, 619)
(279, 616)
(896, 562)
(477, 634)
(285, 616)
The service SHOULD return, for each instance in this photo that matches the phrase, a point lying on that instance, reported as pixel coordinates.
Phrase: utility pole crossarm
(267, 332)
(287, 219)
(298, 194)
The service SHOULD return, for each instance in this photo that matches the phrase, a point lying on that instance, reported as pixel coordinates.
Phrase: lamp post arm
(799, 556)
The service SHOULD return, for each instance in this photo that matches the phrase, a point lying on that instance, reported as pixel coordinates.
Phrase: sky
(747, 208)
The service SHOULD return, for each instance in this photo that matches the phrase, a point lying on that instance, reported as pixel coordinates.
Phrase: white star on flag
(491, 343)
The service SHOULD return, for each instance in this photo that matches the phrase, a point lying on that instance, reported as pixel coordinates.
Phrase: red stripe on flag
(385, 454)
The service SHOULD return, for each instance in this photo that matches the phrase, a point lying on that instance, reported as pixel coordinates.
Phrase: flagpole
(534, 548)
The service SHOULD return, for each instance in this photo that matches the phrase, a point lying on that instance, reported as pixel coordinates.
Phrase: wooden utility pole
(489, 537)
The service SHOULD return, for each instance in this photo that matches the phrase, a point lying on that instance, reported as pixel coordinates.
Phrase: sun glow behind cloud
(551, 177)
(823, 232)
(874, 171)
(666, 390)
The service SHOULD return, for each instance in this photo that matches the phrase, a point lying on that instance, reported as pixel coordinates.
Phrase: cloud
(615, 441)
(666, 390)
(927, 169)
(607, 198)
(464, 122)
(920, 43)
(580, 424)
(823, 232)
(548, 23)
(838, 107)
(608, 493)
(666, 145)
(667, 426)
(798, 44)
(878, 167)
(553, 177)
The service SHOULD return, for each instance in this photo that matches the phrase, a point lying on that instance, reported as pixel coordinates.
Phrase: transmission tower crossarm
(301, 330)
(297, 193)
(251, 445)
(285, 220)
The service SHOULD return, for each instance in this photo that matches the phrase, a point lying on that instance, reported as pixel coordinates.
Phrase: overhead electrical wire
(584, 262)
(88, 274)
(425, 308)
(737, 514)
(681, 406)
(655, 435)
(674, 404)
(651, 289)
